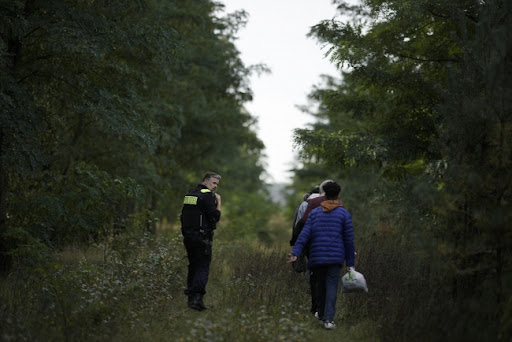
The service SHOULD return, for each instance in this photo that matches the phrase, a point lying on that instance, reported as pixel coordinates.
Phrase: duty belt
(200, 230)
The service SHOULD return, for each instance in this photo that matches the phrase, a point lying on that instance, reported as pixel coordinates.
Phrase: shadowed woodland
(112, 110)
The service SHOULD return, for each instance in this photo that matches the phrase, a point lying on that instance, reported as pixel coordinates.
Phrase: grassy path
(253, 295)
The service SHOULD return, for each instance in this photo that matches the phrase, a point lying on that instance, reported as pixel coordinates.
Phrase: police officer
(199, 216)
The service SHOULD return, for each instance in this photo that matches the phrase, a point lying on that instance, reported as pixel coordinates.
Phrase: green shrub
(96, 300)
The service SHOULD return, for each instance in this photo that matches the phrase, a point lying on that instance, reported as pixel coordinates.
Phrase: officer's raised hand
(217, 196)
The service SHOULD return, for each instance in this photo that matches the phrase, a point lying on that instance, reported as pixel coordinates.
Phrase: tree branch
(440, 60)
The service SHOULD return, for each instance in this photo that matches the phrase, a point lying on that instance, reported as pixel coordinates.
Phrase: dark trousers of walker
(326, 288)
(313, 282)
(199, 253)
(313, 286)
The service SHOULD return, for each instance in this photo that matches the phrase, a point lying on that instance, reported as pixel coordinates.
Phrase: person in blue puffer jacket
(331, 236)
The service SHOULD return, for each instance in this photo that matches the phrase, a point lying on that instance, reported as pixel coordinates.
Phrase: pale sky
(275, 35)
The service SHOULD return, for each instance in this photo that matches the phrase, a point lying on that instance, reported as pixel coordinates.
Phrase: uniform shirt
(199, 209)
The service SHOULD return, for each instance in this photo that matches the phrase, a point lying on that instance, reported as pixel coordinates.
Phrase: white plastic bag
(353, 281)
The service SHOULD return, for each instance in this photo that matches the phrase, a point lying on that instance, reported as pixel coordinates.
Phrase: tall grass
(136, 294)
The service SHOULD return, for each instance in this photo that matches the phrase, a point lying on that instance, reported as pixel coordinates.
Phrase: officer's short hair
(210, 174)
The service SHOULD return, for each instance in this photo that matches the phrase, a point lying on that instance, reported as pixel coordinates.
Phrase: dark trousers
(313, 282)
(326, 288)
(313, 285)
(199, 253)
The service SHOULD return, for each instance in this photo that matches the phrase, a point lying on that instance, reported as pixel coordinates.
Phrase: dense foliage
(418, 131)
(110, 111)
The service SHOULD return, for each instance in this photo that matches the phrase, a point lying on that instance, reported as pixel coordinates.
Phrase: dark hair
(306, 195)
(322, 185)
(210, 174)
(315, 190)
(332, 190)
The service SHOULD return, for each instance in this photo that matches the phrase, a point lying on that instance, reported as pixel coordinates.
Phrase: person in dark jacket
(330, 233)
(299, 211)
(199, 216)
(300, 265)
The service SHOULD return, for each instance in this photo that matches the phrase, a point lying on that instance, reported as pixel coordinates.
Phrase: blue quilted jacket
(331, 235)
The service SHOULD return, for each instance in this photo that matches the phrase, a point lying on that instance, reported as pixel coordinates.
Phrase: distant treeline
(419, 132)
(110, 111)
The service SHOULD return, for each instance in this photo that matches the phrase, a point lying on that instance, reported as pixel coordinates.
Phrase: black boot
(195, 301)
(200, 302)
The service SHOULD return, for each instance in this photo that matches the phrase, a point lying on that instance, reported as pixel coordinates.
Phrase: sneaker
(329, 325)
(316, 315)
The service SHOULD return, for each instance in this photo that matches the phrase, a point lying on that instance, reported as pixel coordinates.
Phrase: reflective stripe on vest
(192, 200)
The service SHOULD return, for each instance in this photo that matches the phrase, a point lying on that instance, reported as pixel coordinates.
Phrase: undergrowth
(136, 294)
